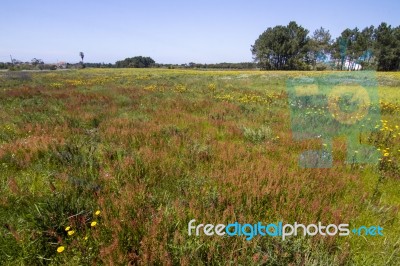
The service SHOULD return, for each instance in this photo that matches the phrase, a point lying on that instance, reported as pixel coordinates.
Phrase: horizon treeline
(290, 47)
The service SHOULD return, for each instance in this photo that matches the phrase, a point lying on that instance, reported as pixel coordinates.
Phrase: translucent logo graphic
(333, 105)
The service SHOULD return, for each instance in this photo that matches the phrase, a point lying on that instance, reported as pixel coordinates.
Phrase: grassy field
(109, 166)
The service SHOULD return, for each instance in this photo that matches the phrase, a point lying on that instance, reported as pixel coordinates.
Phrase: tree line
(291, 47)
(132, 62)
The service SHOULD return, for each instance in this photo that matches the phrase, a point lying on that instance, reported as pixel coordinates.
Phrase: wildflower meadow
(108, 166)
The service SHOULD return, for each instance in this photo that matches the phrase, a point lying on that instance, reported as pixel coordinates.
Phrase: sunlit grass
(107, 166)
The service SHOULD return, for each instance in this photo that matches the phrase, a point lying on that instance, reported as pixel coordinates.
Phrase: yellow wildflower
(67, 228)
(97, 212)
(60, 249)
(94, 223)
(70, 233)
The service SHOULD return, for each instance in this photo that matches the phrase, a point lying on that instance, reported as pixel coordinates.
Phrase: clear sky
(168, 31)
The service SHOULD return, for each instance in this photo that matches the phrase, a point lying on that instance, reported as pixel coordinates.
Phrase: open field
(153, 149)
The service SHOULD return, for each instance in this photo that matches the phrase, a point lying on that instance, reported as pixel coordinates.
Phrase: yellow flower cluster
(385, 153)
(76, 82)
(225, 97)
(393, 129)
(150, 88)
(56, 85)
(143, 77)
(251, 99)
(71, 232)
(246, 98)
(212, 87)
(180, 88)
(391, 132)
(387, 107)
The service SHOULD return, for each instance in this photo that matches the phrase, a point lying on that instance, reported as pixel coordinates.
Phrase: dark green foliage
(136, 62)
(319, 48)
(282, 47)
(388, 45)
(289, 48)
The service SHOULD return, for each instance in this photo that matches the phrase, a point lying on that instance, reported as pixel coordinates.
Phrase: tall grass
(153, 149)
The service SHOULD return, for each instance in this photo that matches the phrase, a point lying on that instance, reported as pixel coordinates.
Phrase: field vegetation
(108, 166)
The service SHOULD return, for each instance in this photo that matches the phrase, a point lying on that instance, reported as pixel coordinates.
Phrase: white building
(349, 65)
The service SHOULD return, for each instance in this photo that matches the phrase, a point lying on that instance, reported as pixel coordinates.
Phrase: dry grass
(153, 149)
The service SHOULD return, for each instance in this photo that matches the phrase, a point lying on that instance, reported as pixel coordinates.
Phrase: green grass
(152, 149)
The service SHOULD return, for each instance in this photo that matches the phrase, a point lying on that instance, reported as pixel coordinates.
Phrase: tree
(346, 48)
(82, 55)
(15, 61)
(36, 62)
(282, 47)
(366, 43)
(319, 46)
(136, 62)
(388, 47)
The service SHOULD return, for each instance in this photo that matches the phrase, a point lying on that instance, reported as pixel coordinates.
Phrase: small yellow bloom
(97, 213)
(386, 154)
(67, 228)
(94, 223)
(60, 249)
(70, 233)
(85, 238)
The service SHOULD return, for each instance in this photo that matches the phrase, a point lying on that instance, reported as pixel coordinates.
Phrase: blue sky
(168, 31)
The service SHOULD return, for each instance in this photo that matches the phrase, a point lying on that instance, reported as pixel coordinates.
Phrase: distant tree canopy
(282, 47)
(318, 49)
(242, 65)
(356, 47)
(136, 62)
(290, 48)
(387, 47)
(36, 61)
